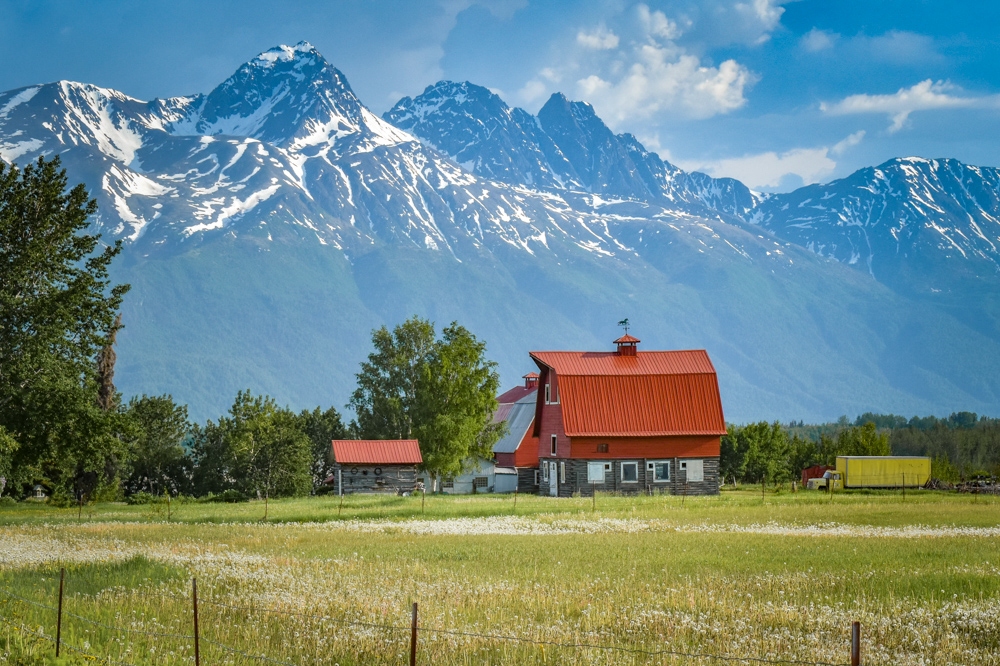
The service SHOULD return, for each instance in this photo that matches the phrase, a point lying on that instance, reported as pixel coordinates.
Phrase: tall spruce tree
(57, 311)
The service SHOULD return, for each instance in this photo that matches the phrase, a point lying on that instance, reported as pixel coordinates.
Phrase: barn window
(536, 477)
(660, 470)
(630, 472)
(480, 482)
(448, 484)
(562, 472)
(602, 448)
(545, 472)
(548, 394)
(695, 470)
(595, 472)
(552, 447)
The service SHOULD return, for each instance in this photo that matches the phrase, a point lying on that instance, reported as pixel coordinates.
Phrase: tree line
(961, 446)
(768, 453)
(64, 426)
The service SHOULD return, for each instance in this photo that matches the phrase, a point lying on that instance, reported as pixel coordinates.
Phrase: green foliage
(158, 460)
(257, 449)
(443, 392)
(230, 496)
(767, 452)
(58, 311)
(865, 440)
(321, 428)
(142, 497)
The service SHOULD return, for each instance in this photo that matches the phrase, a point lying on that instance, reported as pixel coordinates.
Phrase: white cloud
(766, 13)
(600, 39)
(926, 95)
(841, 147)
(638, 70)
(657, 24)
(769, 169)
(818, 40)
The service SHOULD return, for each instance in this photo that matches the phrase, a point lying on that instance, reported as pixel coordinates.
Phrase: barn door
(553, 480)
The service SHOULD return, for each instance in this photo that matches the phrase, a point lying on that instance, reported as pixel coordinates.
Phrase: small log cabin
(518, 449)
(375, 466)
(628, 421)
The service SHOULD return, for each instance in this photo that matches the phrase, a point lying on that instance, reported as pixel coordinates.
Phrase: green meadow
(625, 580)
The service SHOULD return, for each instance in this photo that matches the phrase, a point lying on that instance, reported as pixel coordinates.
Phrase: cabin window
(562, 472)
(536, 477)
(630, 472)
(694, 469)
(595, 472)
(448, 484)
(480, 482)
(602, 448)
(659, 470)
(552, 445)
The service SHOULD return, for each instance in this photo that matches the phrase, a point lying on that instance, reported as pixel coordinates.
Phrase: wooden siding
(689, 446)
(577, 484)
(391, 479)
(551, 423)
(526, 480)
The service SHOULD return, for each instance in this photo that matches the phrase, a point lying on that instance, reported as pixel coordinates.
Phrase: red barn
(518, 449)
(628, 421)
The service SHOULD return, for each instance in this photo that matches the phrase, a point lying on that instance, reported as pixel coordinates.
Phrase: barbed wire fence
(195, 639)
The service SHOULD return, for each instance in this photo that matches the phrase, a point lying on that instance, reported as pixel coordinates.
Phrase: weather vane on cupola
(624, 324)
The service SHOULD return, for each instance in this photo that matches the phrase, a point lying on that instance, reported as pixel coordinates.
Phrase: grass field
(737, 576)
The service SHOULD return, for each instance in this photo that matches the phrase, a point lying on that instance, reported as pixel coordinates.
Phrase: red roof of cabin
(377, 451)
(654, 393)
(626, 339)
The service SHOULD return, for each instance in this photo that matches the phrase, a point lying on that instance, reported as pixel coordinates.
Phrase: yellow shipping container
(884, 471)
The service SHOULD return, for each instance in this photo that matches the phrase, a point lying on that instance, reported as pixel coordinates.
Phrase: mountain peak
(284, 53)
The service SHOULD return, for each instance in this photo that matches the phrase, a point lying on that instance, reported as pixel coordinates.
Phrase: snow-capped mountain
(271, 223)
(940, 218)
(566, 147)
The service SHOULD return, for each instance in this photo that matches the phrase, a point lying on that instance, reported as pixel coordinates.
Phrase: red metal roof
(530, 375)
(651, 394)
(516, 393)
(626, 339)
(643, 363)
(377, 451)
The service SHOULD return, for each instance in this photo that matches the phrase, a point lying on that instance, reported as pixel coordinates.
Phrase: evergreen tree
(58, 311)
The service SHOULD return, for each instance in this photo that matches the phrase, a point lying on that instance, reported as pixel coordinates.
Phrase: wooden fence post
(194, 597)
(855, 643)
(413, 636)
(62, 579)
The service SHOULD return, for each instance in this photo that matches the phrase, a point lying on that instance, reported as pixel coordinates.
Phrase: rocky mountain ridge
(272, 222)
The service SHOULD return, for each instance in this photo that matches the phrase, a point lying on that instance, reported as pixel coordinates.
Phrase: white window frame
(536, 477)
(700, 477)
(622, 466)
(545, 472)
(548, 393)
(553, 445)
(562, 472)
(651, 468)
(596, 472)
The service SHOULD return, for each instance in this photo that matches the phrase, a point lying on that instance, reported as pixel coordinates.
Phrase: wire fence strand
(62, 643)
(247, 654)
(388, 627)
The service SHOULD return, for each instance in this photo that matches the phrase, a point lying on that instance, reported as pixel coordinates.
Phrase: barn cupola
(530, 380)
(626, 345)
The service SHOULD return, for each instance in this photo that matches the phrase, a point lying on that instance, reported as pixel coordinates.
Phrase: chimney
(530, 380)
(626, 345)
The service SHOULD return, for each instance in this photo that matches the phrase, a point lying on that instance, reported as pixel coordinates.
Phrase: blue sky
(774, 93)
